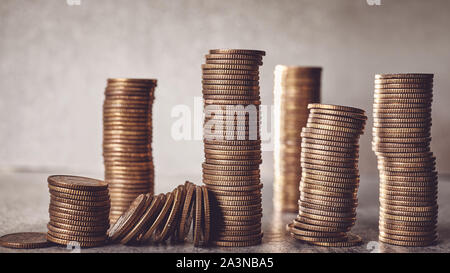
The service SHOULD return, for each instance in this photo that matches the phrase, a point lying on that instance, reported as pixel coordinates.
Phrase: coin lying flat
(25, 240)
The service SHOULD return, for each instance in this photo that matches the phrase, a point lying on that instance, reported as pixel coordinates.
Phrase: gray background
(55, 58)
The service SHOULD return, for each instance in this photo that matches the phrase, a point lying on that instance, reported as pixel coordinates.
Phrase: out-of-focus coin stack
(158, 218)
(294, 88)
(330, 176)
(127, 141)
(232, 145)
(79, 211)
(401, 141)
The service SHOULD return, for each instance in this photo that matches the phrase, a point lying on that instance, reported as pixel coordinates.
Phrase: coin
(162, 215)
(128, 219)
(164, 231)
(187, 212)
(25, 240)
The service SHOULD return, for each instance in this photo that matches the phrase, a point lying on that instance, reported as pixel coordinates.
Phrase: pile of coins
(230, 80)
(294, 88)
(401, 141)
(158, 218)
(127, 139)
(79, 211)
(330, 176)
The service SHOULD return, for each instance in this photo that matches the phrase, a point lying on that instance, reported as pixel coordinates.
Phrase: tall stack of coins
(79, 211)
(401, 141)
(330, 176)
(127, 140)
(294, 88)
(232, 145)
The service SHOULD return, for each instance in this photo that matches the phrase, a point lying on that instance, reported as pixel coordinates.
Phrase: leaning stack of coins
(127, 139)
(330, 176)
(401, 141)
(294, 88)
(232, 145)
(79, 211)
(155, 219)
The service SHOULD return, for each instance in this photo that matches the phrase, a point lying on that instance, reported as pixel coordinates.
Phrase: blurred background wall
(55, 58)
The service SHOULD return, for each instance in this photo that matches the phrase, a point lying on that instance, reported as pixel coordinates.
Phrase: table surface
(24, 200)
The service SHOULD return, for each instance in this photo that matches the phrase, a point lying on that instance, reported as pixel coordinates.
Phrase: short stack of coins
(127, 141)
(406, 164)
(230, 81)
(330, 176)
(79, 211)
(294, 88)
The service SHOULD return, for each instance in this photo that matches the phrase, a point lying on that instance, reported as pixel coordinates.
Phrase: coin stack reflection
(127, 141)
(232, 145)
(330, 176)
(294, 88)
(401, 141)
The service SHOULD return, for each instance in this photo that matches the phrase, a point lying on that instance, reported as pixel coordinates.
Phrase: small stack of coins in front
(79, 211)
(157, 219)
(294, 88)
(233, 145)
(401, 141)
(127, 141)
(330, 176)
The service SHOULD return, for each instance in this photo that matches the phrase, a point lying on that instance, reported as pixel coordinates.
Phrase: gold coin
(197, 232)
(236, 243)
(206, 221)
(233, 57)
(352, 240)
(208, 71)
(405, 76)
(149, 216)
(234, 61)
(230, 168)
(25, 240)
(166, 229)
(77, 233)
(238, 51)
(68, 242)
(187, 212)
(233, 162)
(231, 173)
(406, 243)
(336, 108)
(354, 132)
(162, 215)
(222, 202)
(77, 183)
(230, 67)
(404, 80)
(126, 221)
(423, 85)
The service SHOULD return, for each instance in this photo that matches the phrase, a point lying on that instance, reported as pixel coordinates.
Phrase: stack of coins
(79, 211)
(166, 216)
(127, 139)
(330, 176)
(294, 88)
(233, 145)
(401, 141)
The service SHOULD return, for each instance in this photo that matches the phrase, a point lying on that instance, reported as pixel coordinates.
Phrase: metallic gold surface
(401, 141)
(329, 182)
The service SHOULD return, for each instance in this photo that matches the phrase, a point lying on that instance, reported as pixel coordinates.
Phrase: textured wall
(54, 59)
